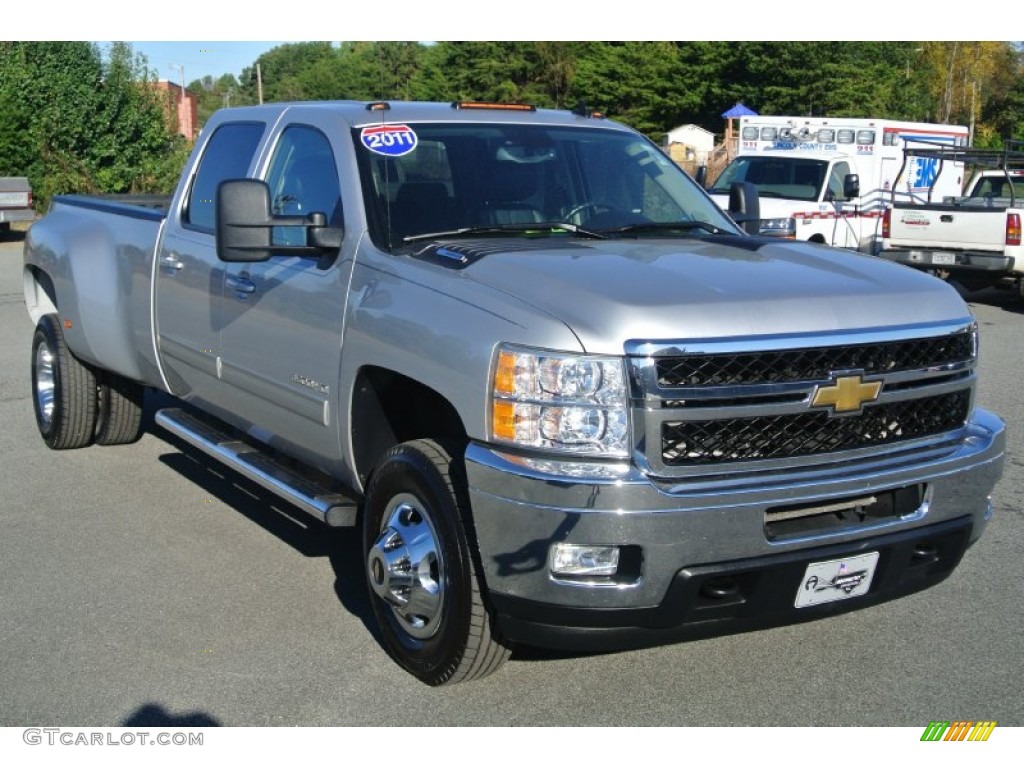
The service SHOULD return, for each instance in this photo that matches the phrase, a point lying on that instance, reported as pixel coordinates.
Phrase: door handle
(170, 261)
(241, 284)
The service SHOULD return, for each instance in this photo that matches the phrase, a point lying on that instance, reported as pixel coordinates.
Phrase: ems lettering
(927, 171)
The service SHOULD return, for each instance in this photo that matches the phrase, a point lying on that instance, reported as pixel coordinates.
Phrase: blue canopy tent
(739, 109)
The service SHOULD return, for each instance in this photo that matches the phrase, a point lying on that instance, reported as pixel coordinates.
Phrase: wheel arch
(389, 408)
(40, 294)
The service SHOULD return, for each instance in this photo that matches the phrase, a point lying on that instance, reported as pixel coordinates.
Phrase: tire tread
(120, 419)
(75, 400)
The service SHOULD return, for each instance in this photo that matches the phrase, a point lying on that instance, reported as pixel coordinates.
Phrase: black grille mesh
(778, 437)
(812, 364)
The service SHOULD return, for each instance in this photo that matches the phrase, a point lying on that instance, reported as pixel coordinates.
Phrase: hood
(780, 207)
(612, 292)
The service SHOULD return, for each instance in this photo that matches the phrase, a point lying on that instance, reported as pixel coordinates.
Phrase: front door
(283, 318)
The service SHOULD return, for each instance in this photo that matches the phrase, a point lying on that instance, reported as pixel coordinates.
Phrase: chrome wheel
(406, 567)
(421, 578)
(44, 385)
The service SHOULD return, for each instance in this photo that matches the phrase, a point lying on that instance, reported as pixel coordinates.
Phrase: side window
(835, 181)
(303, 179)
(227, 156)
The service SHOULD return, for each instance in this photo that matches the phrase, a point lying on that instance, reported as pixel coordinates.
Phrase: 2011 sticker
(389, 140)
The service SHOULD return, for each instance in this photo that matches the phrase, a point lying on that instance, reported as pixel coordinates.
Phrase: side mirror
(701, 176)
(245, 225)
(745, 206)
(851, 186)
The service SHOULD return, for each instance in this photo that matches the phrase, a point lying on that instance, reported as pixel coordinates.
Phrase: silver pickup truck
(569, 402)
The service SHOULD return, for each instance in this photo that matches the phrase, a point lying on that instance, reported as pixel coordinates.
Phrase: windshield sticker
(389, 140)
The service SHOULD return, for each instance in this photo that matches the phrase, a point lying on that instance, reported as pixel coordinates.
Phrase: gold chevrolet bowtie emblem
(847, 394)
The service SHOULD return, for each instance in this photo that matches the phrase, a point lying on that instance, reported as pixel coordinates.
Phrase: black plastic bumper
(739, 596)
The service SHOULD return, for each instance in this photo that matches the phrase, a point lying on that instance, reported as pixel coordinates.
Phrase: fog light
(584, 560)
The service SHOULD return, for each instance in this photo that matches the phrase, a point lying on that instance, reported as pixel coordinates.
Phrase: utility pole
(974, 106)
(181, 108)
(259, 82)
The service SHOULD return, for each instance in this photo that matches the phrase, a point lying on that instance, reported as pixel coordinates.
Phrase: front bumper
(685, 540)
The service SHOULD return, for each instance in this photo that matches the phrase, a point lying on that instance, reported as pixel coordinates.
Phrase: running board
(323, 503)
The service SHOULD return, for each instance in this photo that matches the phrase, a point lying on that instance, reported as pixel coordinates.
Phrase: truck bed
(949, 226)
(97, 255)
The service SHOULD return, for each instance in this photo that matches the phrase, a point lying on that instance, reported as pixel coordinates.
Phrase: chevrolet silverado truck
(972, 240)
(568, 401)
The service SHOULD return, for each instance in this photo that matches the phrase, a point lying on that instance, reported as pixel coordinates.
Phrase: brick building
(182, 108)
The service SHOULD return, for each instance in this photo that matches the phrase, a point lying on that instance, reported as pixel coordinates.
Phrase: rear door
(190, 277)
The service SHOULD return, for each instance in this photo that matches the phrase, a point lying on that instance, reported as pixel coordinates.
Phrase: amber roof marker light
(493, 105)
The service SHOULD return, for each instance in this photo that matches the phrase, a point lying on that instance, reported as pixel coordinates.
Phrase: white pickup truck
(15, 202)
(974, 240)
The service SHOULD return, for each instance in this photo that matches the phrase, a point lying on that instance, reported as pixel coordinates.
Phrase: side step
(324, 503)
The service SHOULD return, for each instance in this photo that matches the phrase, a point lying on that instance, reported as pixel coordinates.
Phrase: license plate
(834, 580)
(12, 199)
(944, 258)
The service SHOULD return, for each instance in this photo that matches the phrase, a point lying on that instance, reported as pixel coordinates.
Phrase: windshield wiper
(668, 226)
(541, 227)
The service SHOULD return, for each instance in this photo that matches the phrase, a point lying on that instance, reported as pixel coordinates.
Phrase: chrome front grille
(688, 443)
(728, 406)
(810, 364)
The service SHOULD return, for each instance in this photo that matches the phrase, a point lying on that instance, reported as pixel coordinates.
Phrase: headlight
(562, 402)
(779, 227)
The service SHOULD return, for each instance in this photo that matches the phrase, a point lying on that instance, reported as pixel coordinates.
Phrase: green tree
(281, 70)
(74, 122)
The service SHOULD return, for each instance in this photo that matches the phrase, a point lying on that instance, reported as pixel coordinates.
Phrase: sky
(199, 58)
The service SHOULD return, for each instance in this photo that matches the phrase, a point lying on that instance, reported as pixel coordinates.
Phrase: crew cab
(972, 239)
(568, 401)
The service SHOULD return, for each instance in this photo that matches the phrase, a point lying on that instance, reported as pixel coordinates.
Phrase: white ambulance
(829, 180)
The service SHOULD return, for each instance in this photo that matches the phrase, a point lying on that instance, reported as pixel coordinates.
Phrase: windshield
(525, 180)
(792, 178)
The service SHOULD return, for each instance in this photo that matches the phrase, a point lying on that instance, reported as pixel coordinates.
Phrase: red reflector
(1013, 229)
(886, 223)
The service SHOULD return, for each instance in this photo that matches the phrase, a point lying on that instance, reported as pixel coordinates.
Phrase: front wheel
(424, 585)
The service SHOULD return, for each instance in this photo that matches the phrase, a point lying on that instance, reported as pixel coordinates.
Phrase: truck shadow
(155, 715)
(302, 532)
(1004, 299)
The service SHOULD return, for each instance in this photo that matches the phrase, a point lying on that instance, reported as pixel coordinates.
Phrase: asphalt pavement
(146, 585)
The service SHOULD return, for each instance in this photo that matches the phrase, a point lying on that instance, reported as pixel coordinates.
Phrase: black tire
(119, 419)
(417, 551)
(63, 389)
